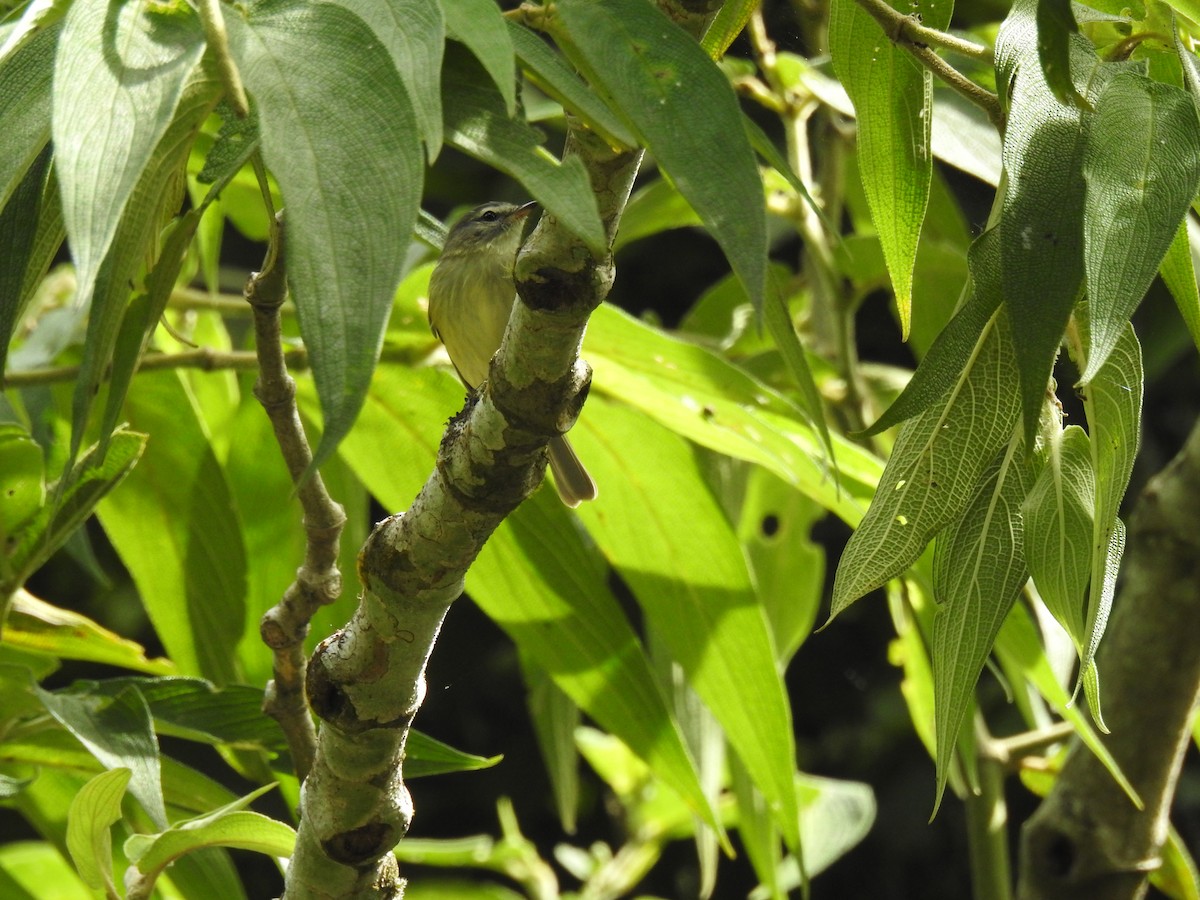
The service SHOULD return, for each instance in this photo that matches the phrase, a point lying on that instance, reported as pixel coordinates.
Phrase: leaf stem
(218, 42)
(919, 41)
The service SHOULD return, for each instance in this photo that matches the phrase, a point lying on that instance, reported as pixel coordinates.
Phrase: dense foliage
(1015, 181)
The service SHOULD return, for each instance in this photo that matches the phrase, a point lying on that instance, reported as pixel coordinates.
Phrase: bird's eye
(489, 216)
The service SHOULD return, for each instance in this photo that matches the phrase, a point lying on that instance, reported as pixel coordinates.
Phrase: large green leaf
(551, 74)
(152, 203)
(935, 467)
(682, 106)
(1058, 525)
(1113, 400)
(119, 74)
(479, 25)
(1179, 275)
(539, 581)
(25, 107)
(698, 394)
(893, 99)
(118, 732)
(684, 565)
(175, 528)
(978, 570)
(336, 124)
(477, 124)
(1141, 165)
(1041, 251)
(414, 33)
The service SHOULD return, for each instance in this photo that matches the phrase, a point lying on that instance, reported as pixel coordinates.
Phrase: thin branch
(919, 40)
(218, 44)
(318, 582)
(205, 358)
(1011, 752)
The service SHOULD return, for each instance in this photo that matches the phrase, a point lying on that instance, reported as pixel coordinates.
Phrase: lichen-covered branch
(367, 681)
(318, 581)
(1087, 841)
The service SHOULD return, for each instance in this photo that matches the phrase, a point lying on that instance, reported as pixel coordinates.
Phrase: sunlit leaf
(93, 811)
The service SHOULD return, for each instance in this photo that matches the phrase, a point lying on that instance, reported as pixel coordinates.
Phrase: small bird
(471, 294)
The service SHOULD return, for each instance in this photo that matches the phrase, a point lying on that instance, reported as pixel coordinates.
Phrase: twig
(318, 582)
(919, 40)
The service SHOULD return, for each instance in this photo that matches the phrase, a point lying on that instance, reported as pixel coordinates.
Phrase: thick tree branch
(367, 681)
(318, 582)
(1087, 841)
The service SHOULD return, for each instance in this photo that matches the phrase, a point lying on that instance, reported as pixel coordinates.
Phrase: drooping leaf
(1041, 250)
(18, 241)
(1058, 526)
(682, 106)
(414, 33)
(683, 563)
(25, 107)
(555, 717)
(479, 25)
(477, 124)
(1055, 25)
(958, 341)
(120, 72)
(978, 570)
(148, 207)
(893, 99)
(1179, 275)
(934, 469)
(1113, 400)
(552, 75)
(726, 25)
(118, 732)
(92, 814)
(1141, 166)
(336, 124)
(174, 525)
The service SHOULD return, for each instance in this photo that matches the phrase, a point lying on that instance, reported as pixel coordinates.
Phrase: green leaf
(728, 23)
(173, 524)
(555, 717)
(230, 826)
(1179, 275)
(30, 212)
(1041, 239)
(978, 570)
(1058, 522)
(26, 867)
(683, 108)
(1113, 401)
(479, 25)
(25, 107)
(1019, 647)
(757, 832)
(835, 815)
(554, 77)
(934, 469)
(893, 99)
(42, 628)
(1055, 26)
(117, 731)
(538, 581)
(684, 565)
(958, 342)
(22, 480)
(329, 100)
(426, 756)
(151, 204)
(477, 125)
(701, 396)
(92, 814)
(125, 59)
(75, 499)
(1141, 165)
(414, 33)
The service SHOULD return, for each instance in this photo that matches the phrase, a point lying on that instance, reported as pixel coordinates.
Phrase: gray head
(494, 225)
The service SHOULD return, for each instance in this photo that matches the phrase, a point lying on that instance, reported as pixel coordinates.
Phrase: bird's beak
(524, 209)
